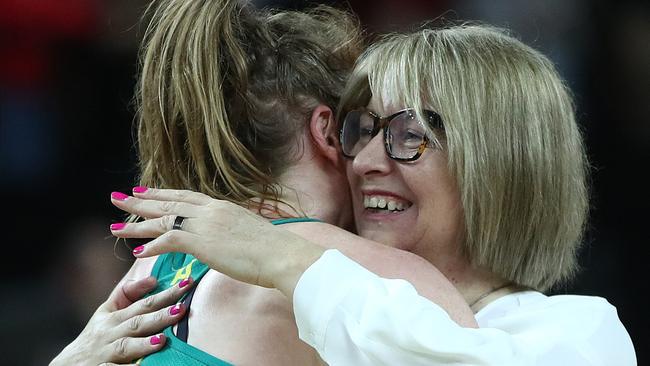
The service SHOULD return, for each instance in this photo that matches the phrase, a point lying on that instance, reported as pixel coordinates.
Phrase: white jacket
(353, 317)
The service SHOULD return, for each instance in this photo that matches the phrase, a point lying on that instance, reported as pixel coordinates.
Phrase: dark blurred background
(67, 73)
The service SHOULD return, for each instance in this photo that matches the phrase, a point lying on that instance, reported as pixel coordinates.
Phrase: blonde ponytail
(224, 89)
(184, 133)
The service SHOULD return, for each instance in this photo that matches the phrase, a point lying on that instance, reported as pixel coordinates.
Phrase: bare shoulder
(141, 268)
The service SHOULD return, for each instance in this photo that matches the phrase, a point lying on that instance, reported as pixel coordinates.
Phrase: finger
(128, 292)
(171, 241)
(178, 195)
(153, 208)
(135, 290)
(151, 228)
(150, 323)
(155, 302)
(128, 349)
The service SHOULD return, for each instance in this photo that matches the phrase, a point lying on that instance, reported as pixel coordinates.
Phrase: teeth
(383, 203)
(373, 202)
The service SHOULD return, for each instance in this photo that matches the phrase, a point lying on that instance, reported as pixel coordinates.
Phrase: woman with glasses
(462, 148)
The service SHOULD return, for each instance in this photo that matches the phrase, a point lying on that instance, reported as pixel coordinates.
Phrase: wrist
(297, 256)
(72, 354)
(61, 360)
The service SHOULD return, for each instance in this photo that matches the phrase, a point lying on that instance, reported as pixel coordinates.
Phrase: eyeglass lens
(404, 133)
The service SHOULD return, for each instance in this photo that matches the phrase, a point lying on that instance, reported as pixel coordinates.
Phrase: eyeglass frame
(434, 120)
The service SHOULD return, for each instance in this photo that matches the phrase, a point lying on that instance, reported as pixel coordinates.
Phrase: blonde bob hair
(510, 135)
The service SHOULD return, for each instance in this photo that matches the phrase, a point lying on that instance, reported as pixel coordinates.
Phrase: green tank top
(170, 269)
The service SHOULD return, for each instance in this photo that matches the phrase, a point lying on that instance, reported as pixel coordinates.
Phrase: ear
(324, 134)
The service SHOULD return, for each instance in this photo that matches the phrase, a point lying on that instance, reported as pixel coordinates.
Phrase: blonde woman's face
(414, 206)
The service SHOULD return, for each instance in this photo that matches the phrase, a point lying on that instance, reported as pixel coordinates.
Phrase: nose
(372, 159)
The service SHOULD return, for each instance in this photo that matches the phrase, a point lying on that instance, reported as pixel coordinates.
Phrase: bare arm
(240, 244)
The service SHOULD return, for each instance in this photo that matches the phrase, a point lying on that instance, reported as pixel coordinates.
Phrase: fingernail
(175, 309)
(138, 250)
(154, 340)
(118, 196)
(118, 226)
(140, 189)
(184, 283)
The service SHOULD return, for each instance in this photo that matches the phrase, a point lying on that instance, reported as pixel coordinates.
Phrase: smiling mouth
(379, 203)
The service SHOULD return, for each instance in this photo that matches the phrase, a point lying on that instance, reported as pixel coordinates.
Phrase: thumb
(129, 291)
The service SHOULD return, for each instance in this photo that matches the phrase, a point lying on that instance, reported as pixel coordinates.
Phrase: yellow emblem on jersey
(182, 273)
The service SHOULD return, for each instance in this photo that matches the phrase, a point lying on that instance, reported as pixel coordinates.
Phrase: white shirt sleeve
(353, 317)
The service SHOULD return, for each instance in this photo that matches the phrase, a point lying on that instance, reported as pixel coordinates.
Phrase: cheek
(353, 184)
(440, 212)
(438, 194)
(351, 176)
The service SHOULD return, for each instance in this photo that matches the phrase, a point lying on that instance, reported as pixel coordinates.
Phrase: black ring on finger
(178, 223)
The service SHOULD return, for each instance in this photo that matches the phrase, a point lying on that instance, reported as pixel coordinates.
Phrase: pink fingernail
(119, 196)
(154, 340)
(118, 226)
(140, 189)
(175, 309)
(138, 250)
(184, 283)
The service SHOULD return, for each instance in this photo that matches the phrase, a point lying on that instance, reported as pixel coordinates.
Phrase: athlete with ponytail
(238, 104)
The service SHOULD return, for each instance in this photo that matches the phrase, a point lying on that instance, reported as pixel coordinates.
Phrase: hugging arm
(240, 244)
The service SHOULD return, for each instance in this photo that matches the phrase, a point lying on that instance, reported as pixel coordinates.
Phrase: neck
(310, 188)
(478, 286)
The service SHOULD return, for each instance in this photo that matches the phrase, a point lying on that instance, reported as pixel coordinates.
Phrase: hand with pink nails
(126, 327)
(213, 231)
